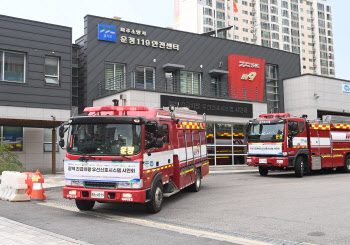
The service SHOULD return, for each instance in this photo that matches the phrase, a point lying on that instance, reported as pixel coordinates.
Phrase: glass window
(13, 67)
(114, 76)
(52, 70)
(48, 140)
(291, 126)
(190, 82)
(145, 77)
(302, 126)
(14, 137)
(106, 139)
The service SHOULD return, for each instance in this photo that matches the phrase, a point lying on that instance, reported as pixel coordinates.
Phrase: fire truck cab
(133, 154)
(281, 142)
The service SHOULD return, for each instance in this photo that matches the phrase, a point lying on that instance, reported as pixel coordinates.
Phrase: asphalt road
(278, 209)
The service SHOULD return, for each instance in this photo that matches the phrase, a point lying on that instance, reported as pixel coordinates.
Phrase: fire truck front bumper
(104, 195)
(280, 162)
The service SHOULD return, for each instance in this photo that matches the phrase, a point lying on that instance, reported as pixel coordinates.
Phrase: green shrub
(8, 159)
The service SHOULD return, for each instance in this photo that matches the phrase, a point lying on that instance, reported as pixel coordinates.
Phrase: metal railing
(173, 84)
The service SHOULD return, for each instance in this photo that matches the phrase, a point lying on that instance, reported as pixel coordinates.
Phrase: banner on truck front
(102, 171)
(265, 149)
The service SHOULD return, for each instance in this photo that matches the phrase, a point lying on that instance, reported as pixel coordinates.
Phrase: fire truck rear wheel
(196, 186)
(155, 204)
(263, 171)
(346, 168)
(84, 205)
(299, 167)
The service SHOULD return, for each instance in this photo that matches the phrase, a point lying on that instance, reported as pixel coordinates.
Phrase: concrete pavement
(12, 232)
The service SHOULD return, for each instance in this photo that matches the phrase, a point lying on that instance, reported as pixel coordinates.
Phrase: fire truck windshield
(266, 132)
(105, 139)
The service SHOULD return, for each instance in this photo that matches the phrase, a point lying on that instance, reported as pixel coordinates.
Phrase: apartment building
(299, 26)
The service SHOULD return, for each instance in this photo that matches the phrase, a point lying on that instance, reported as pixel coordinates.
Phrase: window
(208, 11)
(286, 47)
(190, 82)
(220, 5)
(294, 16)
(245, 21)
(274, 10)
(274, 18)
(244, 12)
(286, 39)
(296, 49)
(285, 13)
(52, 70)
(165, 134)
(285, 22)
(14, 137)
(275, 36)
(145, 77)
(12, 66)
(293, 125)
(324, 71)
(208, 21)
(220, 15)
(263, 7)
(284, 4)
(264, 16)
(275, 45)
(245, 30)
(265, 34)
(266, 43)
(48, 140)
(285, 30)
(272, 95)
(114, 76)
(215, 84)
(302, 126)
(324, 63)
(294, 7)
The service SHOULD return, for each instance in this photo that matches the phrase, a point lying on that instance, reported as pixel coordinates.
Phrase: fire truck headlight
(137, 184)
(279, 161)
(285, 154)
(124, 185)
(249, 160)
(74, 182)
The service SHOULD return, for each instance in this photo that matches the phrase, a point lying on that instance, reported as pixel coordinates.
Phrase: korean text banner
(102, 171)
(265, 149)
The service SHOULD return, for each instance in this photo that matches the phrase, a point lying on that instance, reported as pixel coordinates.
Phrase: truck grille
(100, 185)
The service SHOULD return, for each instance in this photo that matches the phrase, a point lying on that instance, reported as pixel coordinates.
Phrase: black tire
(263, 171)
(196, 186)
(155, 204)
(346, 168)
(84, 205)
(299, 167)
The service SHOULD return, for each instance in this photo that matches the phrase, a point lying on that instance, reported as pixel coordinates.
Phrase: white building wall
(33, 156)
(308, 93)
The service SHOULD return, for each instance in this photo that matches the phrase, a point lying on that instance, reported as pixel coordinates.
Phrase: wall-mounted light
(316, 95)
(220, 64)
(201, 66)
(154, 60)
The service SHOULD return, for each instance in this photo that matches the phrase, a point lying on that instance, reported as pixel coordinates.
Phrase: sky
(154, 12)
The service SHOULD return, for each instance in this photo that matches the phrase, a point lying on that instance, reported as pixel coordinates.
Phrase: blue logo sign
(107, 33)
(346, 88)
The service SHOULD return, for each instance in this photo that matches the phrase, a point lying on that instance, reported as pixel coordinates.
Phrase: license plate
(98, 194)
(262, 160)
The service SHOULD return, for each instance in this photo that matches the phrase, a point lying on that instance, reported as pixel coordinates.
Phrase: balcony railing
(175, 85)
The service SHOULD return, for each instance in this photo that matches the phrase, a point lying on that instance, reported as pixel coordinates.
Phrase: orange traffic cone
(37, 190)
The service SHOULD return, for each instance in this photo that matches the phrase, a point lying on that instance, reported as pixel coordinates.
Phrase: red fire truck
(279, 141)
(133, 154)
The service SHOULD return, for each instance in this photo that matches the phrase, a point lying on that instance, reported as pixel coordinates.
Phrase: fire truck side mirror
(160, 131)
(159, 143)
(61, 143)
(61, 131)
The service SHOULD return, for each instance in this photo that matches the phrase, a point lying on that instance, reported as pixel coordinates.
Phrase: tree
(8, 159)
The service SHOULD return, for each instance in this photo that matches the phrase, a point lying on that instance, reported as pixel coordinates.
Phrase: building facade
(317, 96)
(299, 26)
(35, 88)
(231, 82)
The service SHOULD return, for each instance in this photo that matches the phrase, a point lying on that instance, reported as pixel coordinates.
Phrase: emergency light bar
(275, 115)
(115, 108)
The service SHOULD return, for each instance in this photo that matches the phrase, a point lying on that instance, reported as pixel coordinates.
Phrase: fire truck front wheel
(155, 204)
(263, 171)
(84, 205)
(299, 167)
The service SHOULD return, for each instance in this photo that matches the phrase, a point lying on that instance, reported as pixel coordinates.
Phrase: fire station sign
(210, 107)
(246, 77)
(107, 33)
(102, 171)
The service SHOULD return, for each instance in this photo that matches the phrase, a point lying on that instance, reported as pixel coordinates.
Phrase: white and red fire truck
(133, 154)
(279, 141)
